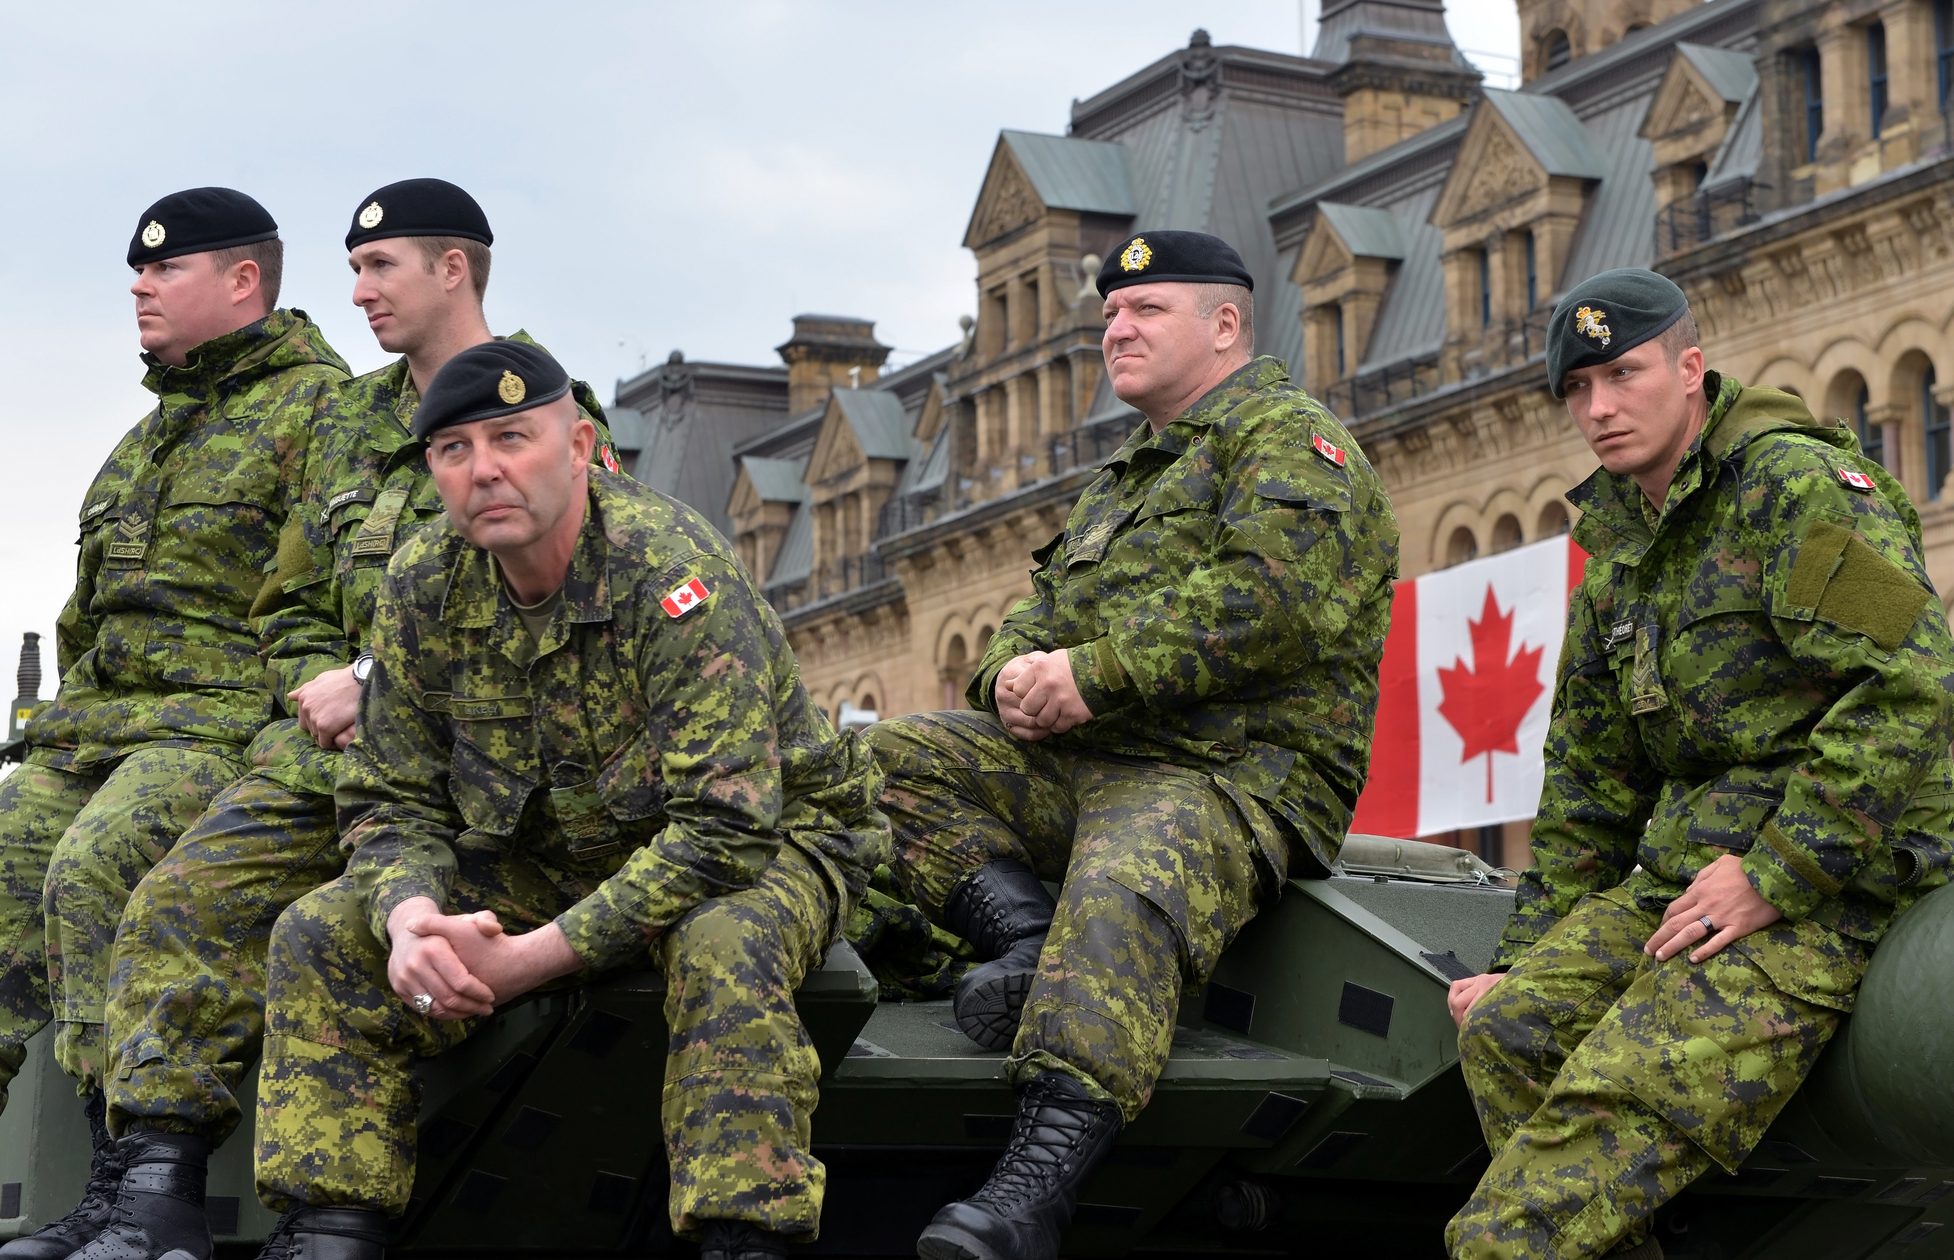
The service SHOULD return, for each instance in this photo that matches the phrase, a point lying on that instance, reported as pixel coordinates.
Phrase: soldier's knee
(726, 941)
(322, 930)
(898, 740)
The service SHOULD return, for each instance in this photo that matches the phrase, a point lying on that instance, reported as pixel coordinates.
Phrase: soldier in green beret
(186, 1003)
(162, 688)
(1176, 720)
(1747, 781)
(582, 714)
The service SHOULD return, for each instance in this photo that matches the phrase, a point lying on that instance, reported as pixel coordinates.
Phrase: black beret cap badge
(370, 217)
(1136, 256)
(153, 234)
(510, 388)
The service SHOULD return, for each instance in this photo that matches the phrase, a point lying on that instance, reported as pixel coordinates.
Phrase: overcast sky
(658, 176)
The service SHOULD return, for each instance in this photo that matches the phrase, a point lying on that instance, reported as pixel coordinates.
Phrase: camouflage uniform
(1759, 669)
(1224, 586)
(186, 1004)
(661, 787)
(161, 684)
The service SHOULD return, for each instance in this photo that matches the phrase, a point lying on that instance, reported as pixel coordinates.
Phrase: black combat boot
(1059, 1137)
(91, 1216)
(159, 1207)
(327, 1233)
(740, 1240)
(1003, 910)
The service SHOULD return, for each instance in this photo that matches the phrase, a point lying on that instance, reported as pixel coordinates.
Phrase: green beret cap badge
(1587, 322)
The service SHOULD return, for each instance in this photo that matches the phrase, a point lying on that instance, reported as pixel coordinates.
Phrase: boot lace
(98, 1196)
(1042, 1144)
(278, 1244)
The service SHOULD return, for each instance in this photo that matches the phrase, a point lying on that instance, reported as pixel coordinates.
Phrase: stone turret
(828, 352)
(1399, 71)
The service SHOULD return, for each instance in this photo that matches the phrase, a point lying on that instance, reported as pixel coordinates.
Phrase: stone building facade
(1788, 162)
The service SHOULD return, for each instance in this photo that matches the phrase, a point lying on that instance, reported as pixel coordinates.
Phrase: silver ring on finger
(424, 1003)
(1708, 926)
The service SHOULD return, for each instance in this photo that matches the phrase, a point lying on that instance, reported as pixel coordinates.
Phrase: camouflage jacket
(661, 759)
(156, 645)
(1763, 671)
(1224, 586)
(367, 489)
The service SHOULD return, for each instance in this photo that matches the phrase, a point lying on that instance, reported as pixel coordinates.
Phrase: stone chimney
(829, 352)
(1399, 71)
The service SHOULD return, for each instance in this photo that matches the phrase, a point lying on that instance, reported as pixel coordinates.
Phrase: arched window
(1934, 424)
(1872, 437)
(1506, 533)
(1553, 520)
(1462, 546)
(1559, 49)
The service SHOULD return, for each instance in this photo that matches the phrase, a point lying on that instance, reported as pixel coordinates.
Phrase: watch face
(362, 666)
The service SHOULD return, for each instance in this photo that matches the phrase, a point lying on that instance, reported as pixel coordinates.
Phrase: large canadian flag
(1466, 688)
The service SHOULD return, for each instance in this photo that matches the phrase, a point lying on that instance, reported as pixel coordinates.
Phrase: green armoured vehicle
(1313, 1106)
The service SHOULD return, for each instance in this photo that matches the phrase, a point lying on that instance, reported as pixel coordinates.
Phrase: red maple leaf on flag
(1485, 702)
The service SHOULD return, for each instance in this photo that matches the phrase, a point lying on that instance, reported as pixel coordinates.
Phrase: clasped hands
(326, 706)
(1037, 696)
(465, 962)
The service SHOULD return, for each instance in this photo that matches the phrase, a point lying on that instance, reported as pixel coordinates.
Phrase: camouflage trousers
(337, 1104)
(72, 845)
(1159, 872)
(187, 999)
(1606, 1082)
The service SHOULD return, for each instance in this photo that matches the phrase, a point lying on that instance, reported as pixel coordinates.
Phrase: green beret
(496, 378)
(1177, 257)
(418, 207)
(196, 221)
(1606, 316)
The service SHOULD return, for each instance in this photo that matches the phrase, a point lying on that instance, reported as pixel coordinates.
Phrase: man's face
(1155, 344)
(401, 294)
(509, 482)
(1635, 412)
(181, 303)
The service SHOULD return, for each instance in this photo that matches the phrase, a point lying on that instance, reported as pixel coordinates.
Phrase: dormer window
(1560, 50)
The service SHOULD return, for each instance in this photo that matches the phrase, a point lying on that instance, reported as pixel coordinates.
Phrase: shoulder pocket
(1840, 579)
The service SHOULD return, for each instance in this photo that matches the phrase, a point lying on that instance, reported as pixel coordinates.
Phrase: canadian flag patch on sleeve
(685, 598)
(1856, 480)
(1328, 449)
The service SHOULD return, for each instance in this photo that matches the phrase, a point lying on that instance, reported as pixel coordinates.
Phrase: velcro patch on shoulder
(1847, 583)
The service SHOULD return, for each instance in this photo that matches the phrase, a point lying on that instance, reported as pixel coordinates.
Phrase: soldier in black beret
(418, 207)
(1745, 782)
(1234, 556)
(163, 691)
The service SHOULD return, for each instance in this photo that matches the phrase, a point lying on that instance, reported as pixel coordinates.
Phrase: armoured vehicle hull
(1313, 1103)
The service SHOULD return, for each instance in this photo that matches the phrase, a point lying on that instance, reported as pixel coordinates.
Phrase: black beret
(496, 378)
(1180, 257)
(1606, 316)
(418, 207)
(196, 221)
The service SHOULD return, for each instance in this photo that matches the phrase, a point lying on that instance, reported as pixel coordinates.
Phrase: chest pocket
(230, 518)
(492, 771)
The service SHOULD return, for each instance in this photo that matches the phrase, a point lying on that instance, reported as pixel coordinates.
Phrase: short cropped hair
(1209, 297)
(477, 254)
(270, 257)
(1680, 335)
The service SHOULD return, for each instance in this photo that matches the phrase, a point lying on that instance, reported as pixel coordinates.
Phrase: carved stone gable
(836, 452)
(1324, 254)
(1503, 172)
(1007, 203)
(1685, 104)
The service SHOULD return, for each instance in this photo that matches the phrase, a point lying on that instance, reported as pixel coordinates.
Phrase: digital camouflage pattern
(1606, 1082)
(178, 530)
(623, 773)
(157, 651)
(97, 834)
(1224, 586)
(337, 1108)
(187, 996)
(1160, 871)
(1760, 669)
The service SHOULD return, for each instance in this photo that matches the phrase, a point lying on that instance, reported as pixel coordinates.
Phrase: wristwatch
(362, 668)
